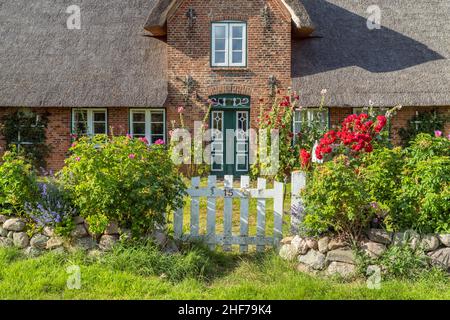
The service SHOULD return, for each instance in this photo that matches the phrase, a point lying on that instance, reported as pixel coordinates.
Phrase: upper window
(229, 44)
(310, 117)
(89, 121)
(149, 124)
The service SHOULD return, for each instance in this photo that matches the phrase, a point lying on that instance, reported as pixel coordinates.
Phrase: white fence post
(228, 213)
(195, 209)
(261, 217)
(245, 185)
(278, 213)
(298, 183)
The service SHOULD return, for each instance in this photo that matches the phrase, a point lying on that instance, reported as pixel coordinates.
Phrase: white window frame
(148, 123)
(90, 119)
(229, 44)
(310, 118)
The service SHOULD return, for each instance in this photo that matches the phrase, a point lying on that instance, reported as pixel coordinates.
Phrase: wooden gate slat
(228, 214)
(211, 213)
(245, 185)
(298, 182)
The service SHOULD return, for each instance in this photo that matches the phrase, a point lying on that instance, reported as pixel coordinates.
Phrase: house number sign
(230, 101)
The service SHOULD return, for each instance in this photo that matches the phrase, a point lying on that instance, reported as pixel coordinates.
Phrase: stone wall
(333, 256)
(14, 232)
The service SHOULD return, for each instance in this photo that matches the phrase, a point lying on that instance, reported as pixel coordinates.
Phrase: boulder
(312, 244)
(48, 231)
(441, 257)
(300, 245)
(3, 232)
(10, 234)
(341, 255)
(14, 224)
(86, 243)
(107, 242)
(409, 236)
(445, 239)
(171, 247)
(429, 242)
(33, 252)
(3, 218)
(78, 220)
(323, 244)
(79, 231)
(313, 259)
(305, 269)
(21, 239)
(343, 269)
(6, 242)
(39, 241)
(373, 249)
(336, 244)
(95, 253)
(112, 229)
(380, 236)
(54, 242)
(287, 240)
(159, 237)
(288, 252)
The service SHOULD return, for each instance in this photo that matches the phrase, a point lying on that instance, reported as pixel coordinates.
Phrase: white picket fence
(212, 192)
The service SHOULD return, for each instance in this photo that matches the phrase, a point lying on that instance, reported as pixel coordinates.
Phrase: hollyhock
(180, 109)
(305, 158)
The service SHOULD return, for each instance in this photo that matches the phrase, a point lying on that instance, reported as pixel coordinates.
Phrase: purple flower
(132, 156)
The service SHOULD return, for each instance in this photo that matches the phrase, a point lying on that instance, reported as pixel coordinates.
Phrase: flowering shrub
(124, 180)
(423, 200)
(355, 136)
(336, 200)
(17, 183)
(52, 208)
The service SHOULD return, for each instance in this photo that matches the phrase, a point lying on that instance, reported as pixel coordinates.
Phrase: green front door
(230, 139)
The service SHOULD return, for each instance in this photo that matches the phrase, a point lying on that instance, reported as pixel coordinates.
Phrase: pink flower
(180, 109)
(131, 156)
(171, 133)
(438, 133)
(160, 142)
(144, 140)
(77, 159)
(74, 145)
(129, 136)
(448, 137)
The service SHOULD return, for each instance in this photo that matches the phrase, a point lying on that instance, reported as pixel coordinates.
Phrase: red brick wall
(189, 52)
(58, 132)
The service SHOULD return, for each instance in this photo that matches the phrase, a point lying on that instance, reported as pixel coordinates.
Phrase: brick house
(132, 63)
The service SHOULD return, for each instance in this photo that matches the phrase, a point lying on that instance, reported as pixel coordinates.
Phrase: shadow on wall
(342, 39)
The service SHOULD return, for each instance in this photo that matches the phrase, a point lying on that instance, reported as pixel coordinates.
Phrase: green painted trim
(211, 40)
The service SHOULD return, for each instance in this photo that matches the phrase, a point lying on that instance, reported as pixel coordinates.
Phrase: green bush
(337, 200)
(122, 179)
(383, 170)
(17, 183)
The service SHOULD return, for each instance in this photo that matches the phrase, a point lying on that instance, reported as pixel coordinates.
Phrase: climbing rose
(305, 158)
(438, 133)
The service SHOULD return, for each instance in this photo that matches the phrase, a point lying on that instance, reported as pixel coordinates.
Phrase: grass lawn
(136, 274)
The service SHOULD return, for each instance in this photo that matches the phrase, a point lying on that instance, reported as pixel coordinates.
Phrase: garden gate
(212, 192)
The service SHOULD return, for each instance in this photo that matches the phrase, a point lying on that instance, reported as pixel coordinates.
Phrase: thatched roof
(109, 62)
(157, 20)
(406, 62)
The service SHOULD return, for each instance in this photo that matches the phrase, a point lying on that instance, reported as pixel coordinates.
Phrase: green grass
(136, 273)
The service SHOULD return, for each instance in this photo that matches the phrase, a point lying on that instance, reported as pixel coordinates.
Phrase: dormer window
(229, 44)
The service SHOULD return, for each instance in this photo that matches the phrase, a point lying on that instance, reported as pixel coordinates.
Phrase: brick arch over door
(230, 89)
